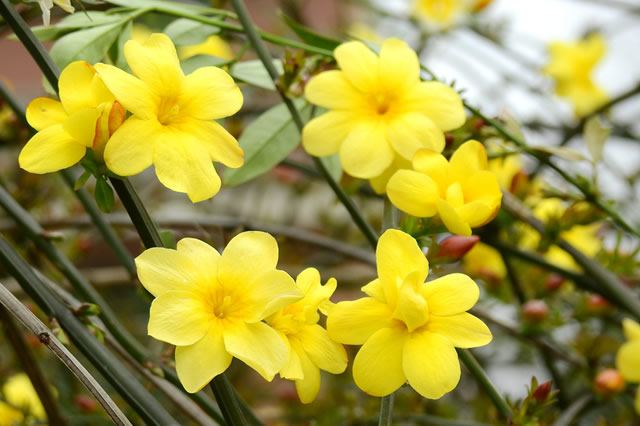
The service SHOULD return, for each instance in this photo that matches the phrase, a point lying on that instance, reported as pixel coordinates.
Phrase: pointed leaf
(255, 74)
(185, 32)
(595, 135)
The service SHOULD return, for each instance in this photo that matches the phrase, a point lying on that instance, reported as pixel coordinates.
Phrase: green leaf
(595, 135)
(125, 35)
(89, 45)
(309, 36)
(82, 180)
(104, 195)
(561, 151)
(185, 32)
(74, 22)
(254, 73)
(332, 163)
(193, 63)
(266, 141)
(157, 5)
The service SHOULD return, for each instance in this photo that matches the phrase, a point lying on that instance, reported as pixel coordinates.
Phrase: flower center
(382, 103)
(223, 307)
(168, 110)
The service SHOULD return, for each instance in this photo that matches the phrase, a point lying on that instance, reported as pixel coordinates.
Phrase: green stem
(485, 383)
(30, 366)
(225, 395)
(386, 410)
(389, 215)
(265, 57)
(149, 409)
(30, 42)
(137, 212)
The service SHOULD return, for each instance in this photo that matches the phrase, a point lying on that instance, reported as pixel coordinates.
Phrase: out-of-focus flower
(140, 32)
(310, 348)
(172, 126)
(441, 13)
(456, 246)
(627, 359)
(361, 31)
(213, 45)
(47, 5)
(609, 382)
(582, 237)
(379, 110)
(571, 65)
(484, 261)
(211, 306)
(461, 191)
(86, 117)
(408, 328)
(20, 398)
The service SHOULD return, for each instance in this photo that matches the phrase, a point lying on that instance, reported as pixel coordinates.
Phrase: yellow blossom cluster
(20, 398)
(628, 358)
(215, 307)
(445, 13)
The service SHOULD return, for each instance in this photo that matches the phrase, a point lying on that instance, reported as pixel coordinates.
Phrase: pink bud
(554, 282)
(535, 310)
(456, 246)
(609, 382)
(541, 393)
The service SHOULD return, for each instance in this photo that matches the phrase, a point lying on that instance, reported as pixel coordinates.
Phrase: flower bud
(456, 246)
(609, 382)
(85, 403)
(554, 282)
(541, 393)
(110, 119)
(597, 303)
(535, 311)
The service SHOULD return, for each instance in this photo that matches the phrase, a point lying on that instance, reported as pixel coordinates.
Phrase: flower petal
(204, 257)
(81, 125)
(414, 193)
(484, 186)
(631, 329)
(292, 369)
(309, 386)
(210, 93)
(161, 270)
(80, 87)
(469, 159)
(269, 292)
(433, 165)
(366, 153)
(431, 364)
(411, 307)
(399, 66)
(452, 219)
(247, 256)
(222, 146)
(135, 95)
(377, 368)
(410, 132)
(257, 345)
(332, 90)
(359, 64)
(477, 213)
(130, 149)
(628, 361)
(50, 150)
(441, 103)
(463, 330)
(324, 352)
(184, 165)
(323, 135)
(179, 318)
(375, 289)
(156, 63)
(397, 256)
(199, 363)
(45, 112)
(352, 323)
(451, 294)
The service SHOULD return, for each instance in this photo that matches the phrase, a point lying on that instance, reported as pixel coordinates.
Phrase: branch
(45, 335)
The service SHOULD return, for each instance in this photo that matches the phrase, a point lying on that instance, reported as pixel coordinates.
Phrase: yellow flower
(462, 191)
(86, 116)
(21, 398)
(408, 328)
(361, 31)
(211, 306)
(47, 5)
(628, 357)
(484, 261)
(380, 109)
(571, 65)
(140, 32)
(582, 237)
(172, 126)
(310, 348)
(214, 45)
(441, 13)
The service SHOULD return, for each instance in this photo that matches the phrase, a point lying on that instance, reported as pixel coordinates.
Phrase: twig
(30, 366)
(567, 417)
(386, 410)
(45, 335)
